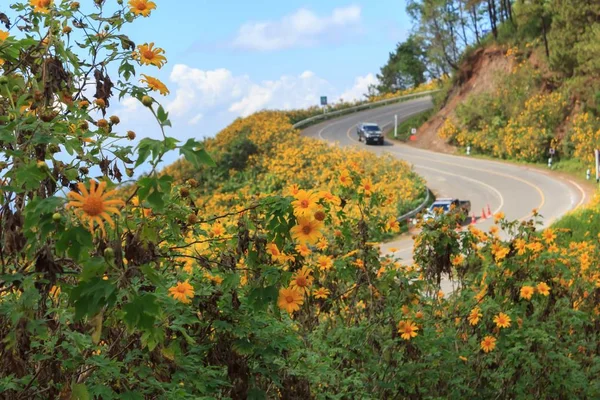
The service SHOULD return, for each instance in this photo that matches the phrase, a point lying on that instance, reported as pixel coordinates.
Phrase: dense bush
(170, 289)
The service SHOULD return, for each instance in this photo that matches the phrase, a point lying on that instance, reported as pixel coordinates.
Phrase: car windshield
(442, 206)
(371, 128)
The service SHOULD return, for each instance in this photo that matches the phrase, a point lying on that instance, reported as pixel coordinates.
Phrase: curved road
(512, 189)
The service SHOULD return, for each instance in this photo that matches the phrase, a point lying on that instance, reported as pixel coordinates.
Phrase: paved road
(515, 190)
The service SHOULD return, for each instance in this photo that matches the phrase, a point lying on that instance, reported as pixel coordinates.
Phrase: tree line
(568, 31)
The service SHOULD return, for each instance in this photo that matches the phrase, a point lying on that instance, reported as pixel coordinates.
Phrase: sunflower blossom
(290, 299)
(141, 7)
(307, 231)
(150, 55)
(95, 205)
(305, 203)
(474, 316)
(321, 293)
(502, 320)
(527, 292)
(302, 280)
(41, 6)
(407, 329)
(155, 84)
(183, 292)
(488, 344)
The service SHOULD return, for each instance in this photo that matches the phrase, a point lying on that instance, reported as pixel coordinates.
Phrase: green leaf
(131, 396)
(146, 147)
(154, 190)
(89, 297)
(74, 241)
(79, 392)
(194, 156)
(95, 267)
(141, 312)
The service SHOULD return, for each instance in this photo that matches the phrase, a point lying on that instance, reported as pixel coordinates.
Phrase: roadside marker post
(468, 149)
(550, 162)
(588, 174)
(396, 126)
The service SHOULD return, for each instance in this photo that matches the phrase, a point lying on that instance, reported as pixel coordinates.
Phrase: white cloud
(201, 91)
(196, 87)
(196, 119)
(300, 29)
(360, 88)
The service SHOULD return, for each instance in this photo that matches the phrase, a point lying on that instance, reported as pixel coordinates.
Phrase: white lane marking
(583, 194)
(320, 133)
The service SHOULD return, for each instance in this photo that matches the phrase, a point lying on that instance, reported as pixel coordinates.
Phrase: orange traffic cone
(489, 211)
(473, 219)
(483, 216)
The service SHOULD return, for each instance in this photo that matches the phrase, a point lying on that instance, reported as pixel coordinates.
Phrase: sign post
(551, 152)
(597, 153)
(413, 132)
(395, 126)
(324, 102)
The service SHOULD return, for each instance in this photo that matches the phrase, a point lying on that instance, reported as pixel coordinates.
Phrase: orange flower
(307, 231)
(3, 35)
(527, 292)
(366, 187)
(407, 329)
(303, 250)
(141, 7)
(40, 6)
(95, 205)
(475, 316)
(543, 288)
(290, 299)
(321, 293)
(549, 236)
(502, 320)
(155, 84)
(150, 55)
(305, 203)
(302, 280)
(183, 292)
(345, 178)
(488, 344)
(325, 263)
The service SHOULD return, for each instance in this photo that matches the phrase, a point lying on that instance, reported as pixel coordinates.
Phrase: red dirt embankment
(476, 75)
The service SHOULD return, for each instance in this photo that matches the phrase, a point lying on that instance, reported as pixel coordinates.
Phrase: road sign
(323, 100)
(552, 151)
(413, 131)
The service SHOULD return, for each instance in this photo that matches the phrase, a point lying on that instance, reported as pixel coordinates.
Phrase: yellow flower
(502, 320)
(549, 236)
(488, 344)
(303, 250)
(55, 292)
(95, 205)
(457, 260)
(335, 200)
(141, 7)
(325, 263)
(290, 299)
(322, 244)
(155, 84)
(302, 280)
(3, 35)
(345, 178)
(407, 329)
(527, 292)
(307, 231)
(183, 292)
(366, 187)
(305, 203)
(498, 216)
(150, 55)
(40, 6)
(543, 288)
(321, 293)
(392, 225)
(475, 316)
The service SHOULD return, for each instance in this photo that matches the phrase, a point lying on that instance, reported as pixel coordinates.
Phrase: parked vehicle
(370, 132)
(448, 205)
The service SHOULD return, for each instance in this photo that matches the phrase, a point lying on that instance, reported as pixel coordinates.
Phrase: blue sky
(231, 58)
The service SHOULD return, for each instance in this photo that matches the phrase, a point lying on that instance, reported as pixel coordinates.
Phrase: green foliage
(405, 67)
